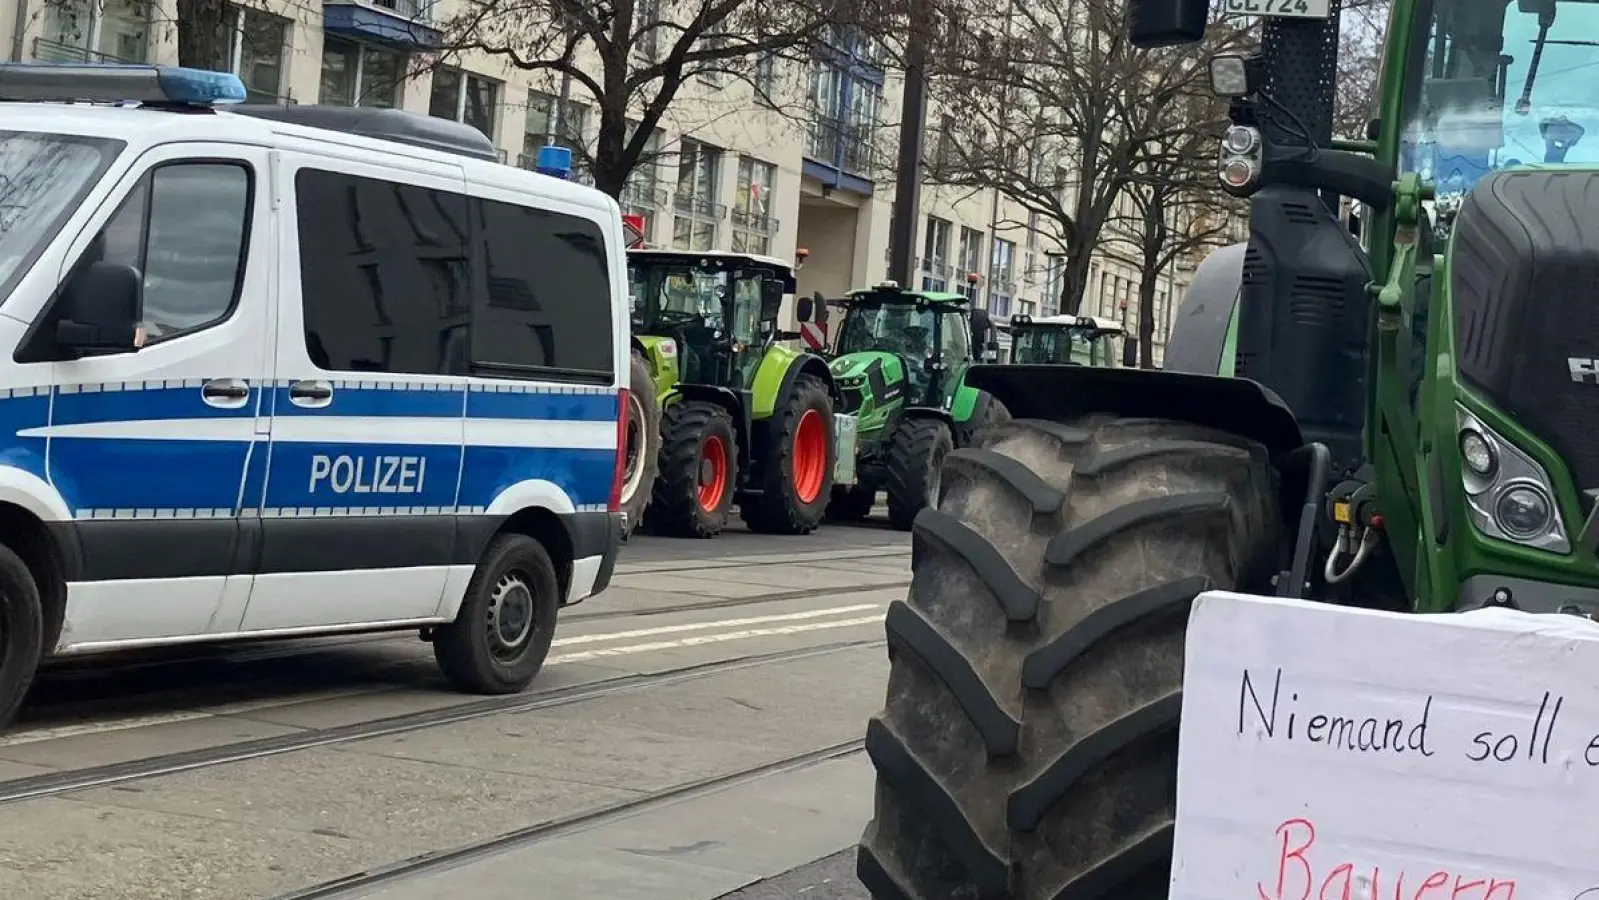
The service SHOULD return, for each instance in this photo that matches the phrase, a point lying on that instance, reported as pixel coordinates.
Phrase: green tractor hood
(873, 385)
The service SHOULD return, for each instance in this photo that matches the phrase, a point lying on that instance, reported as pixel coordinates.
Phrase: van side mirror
(100, 309)
(771, 299)
(1164, 23)
(804, 309)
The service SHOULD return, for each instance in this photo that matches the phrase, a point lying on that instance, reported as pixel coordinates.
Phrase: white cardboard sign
(1338, 754)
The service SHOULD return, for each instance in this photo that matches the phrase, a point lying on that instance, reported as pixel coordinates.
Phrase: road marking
(721, 623)
(712, 639)
(59, 732)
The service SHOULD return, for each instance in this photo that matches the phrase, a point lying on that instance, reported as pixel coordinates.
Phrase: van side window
(383, 274)
(547, 299)
(186, 227)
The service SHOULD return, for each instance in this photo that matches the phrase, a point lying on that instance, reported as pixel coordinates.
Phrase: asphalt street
(694, 735)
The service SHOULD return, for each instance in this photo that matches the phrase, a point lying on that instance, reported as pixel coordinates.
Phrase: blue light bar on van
(554, 161)
(149, 85)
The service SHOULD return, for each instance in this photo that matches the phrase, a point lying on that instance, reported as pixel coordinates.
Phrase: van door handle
(225, 393)
(312, 394)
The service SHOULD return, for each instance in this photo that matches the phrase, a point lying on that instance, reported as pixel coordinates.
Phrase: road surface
(694, 735)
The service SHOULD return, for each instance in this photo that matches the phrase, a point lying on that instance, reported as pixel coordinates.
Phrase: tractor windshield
(1502, 84)
(1044, 345)
(893, 326)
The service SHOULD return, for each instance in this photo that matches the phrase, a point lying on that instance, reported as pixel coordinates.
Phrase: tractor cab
(926, 335)
(1064, 340)
(712, 306)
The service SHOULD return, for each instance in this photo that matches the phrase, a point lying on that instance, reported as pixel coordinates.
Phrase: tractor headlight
(1478, 454)
(1523, 510)
(1509, 496)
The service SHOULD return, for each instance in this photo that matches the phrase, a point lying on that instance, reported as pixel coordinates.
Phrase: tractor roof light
(1234, 75)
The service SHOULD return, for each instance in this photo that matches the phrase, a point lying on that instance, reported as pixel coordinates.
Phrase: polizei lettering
(368, 474)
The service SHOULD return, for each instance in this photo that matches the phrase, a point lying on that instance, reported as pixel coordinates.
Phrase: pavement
(620, 795)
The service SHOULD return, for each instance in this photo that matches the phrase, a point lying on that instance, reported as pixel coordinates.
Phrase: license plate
(1278, 9)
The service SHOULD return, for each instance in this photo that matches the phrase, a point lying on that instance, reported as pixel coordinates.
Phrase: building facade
(729, 169)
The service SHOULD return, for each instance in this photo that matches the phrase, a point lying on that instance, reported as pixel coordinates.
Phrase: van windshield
(43, 178)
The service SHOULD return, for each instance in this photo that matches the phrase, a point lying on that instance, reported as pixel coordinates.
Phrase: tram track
(112, 774)
(364, 883)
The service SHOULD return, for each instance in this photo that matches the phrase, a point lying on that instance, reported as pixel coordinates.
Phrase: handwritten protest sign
(1337, 754)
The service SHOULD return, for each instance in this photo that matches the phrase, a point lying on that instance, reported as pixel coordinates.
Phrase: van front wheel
(502, 633)
(21, 633)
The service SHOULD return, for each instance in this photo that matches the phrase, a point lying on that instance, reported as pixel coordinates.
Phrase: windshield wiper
(1546, 18)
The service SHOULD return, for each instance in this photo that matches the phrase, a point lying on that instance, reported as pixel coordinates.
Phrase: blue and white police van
(284, 371)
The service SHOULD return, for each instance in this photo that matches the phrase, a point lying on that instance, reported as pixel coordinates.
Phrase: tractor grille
(850, 400)
(1525, 277)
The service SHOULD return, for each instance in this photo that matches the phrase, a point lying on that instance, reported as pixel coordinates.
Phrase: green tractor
(743, 419)
(1396, 420)
(1064, 340)
(900, 358)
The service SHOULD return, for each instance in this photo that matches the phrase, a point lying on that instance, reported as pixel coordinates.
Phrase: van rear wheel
(21, 633)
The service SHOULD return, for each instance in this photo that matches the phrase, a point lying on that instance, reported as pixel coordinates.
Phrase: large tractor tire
(699, 471)
(916, 452)
(1028, 746)
(851, 503)
(987, 413)
(643, 443)
(797, 474)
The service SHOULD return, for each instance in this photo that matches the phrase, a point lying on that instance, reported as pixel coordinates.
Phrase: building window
(357, 75)
(648, 39)
(1002, 265)
(753, 225)
(115, 31)
(641, 194)
(698, 184)
(465, 97)
(971, 260)
(541, 129)
(259, 54)
(1054, 282)
(766, 79)
(935, 255)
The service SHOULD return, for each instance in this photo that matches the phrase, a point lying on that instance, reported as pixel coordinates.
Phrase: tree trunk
(205, 35)
(1146, 320)
(1074, 282)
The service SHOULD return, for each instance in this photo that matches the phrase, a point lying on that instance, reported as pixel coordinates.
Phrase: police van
(286, 371)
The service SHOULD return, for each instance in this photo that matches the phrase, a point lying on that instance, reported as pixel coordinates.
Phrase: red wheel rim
(810, 456)
(713, 473)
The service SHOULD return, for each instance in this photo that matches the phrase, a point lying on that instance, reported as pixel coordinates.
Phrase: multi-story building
(724, 171)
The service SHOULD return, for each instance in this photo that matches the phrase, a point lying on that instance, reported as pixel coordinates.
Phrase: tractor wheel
(916, 452)
(989, 412)
(699, 471)
(851, 503)
(643, 443)
(1028, 746)
(797, 474)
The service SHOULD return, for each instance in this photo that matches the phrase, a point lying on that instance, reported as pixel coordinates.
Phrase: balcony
(642, 197)
(751, 222)
(698, 207)
(840, 154)
(403, 25)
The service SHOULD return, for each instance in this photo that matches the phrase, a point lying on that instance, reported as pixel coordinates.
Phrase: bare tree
(1360, 49)
(633, 58)
(1173, 207)
(1054, 110)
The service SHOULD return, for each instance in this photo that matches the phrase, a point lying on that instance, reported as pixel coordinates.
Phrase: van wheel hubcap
(512, 617)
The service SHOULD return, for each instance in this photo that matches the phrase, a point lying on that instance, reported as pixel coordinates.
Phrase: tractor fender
(1198, 341)
(919, 412)
(729, 400)
(805, 364)
(1063, 393)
